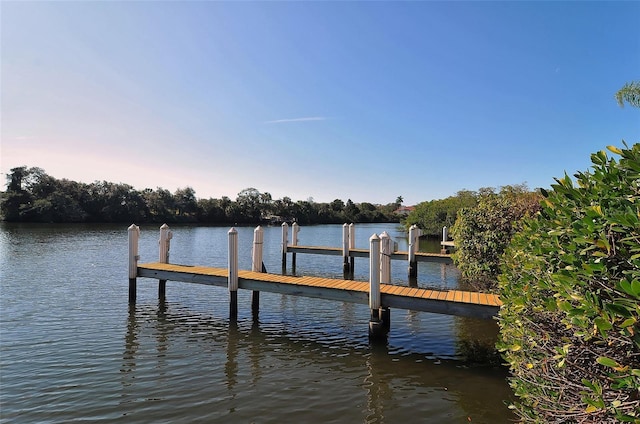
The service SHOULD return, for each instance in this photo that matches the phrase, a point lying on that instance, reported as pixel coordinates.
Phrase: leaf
(614, 149)
(607, 362)
(602, 324)
(628, 323)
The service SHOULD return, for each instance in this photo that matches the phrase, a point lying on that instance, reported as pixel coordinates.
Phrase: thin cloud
(306, 119)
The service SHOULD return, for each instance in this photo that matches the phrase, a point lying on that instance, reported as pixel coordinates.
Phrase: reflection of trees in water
(256, 349)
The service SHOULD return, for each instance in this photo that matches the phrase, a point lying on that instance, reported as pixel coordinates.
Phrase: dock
(450, 302)
(444, 258)
(378, 292)
(349, 252)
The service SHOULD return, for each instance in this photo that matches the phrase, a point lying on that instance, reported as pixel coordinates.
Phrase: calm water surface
(72, 350)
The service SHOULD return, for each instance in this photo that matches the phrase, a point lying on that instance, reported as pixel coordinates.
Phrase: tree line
(34, 196)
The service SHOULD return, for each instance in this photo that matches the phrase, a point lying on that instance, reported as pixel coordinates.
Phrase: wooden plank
(494, 300)
(483, 299)
(402, 291)
(457, 296)
(396, 290)
(451, 294)
(428, 294)
(413, 292)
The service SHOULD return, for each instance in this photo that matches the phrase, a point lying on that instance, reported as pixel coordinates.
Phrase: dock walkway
(450, 302)
(364, 253)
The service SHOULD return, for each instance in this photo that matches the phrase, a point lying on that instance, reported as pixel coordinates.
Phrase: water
(72, 350)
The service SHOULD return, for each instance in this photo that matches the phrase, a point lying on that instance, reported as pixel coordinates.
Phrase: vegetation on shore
(483, 231)
(570, 325)
(34, 196)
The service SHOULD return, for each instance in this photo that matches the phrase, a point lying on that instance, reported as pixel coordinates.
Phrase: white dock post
(386, 249)
(134, 236)
(385, 258)
(445, 238)
(257, 264)
(294, 242)
(345, 249)
(285, 242)
(233, 274)
(164, 243)
(352, 245)
(376, 327)
(413, 243)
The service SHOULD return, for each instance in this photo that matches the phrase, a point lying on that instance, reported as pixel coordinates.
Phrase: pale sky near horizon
(332, 100)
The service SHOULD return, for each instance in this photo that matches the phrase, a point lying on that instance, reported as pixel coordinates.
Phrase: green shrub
(482, 232)
(571, 291)
(431, 216)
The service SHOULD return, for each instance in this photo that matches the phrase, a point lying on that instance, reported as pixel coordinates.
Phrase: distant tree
(431, 216)
(162, 205)
(211, 211)
(629, 93)
(17, 194)
(186, 203)
(337, 205)
(399, 200)
(248, 201)
(351, 211)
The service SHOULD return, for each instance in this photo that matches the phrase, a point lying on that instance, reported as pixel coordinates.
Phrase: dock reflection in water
(250, 371)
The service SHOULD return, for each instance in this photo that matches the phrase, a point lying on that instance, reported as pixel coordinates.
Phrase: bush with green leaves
(482, 232)
(432, 215)
(569, 327)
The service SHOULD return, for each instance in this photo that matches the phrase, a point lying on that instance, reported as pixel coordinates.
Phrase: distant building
(404, 210)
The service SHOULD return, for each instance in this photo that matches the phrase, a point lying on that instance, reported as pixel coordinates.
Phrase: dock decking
(364, 253)
(450, 302)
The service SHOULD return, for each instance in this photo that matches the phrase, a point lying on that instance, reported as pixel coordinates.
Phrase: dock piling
(164, 246)
(294, 242)
(345, 250)
(285, 242)
(413, 247)
(352, 245)
(134, 236)
(445, 238)
(232, 281)
(385, 257)
(257, 265)
(376, 325)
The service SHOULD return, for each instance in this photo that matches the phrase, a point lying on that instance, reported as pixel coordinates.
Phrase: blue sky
(332, 100)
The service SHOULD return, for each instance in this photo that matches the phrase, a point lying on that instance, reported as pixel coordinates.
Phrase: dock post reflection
(231, 366)
(377, 387)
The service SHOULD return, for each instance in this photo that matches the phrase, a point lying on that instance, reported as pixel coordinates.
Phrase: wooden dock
(378, 292)
(364, 253)
(450, 302)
